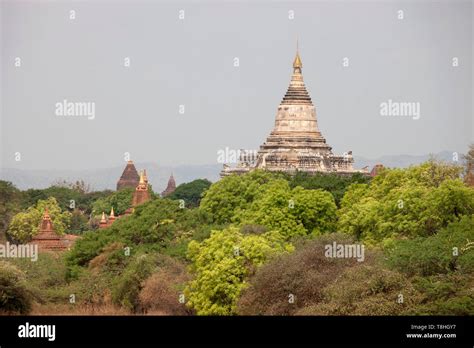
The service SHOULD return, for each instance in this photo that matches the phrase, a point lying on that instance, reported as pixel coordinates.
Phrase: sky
(182, 98)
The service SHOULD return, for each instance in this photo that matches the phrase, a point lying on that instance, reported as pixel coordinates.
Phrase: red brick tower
(47, 239)
(170, 187)
(141, 194)
(129, 177)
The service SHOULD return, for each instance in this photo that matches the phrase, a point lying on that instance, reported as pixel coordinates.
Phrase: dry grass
(69, 309)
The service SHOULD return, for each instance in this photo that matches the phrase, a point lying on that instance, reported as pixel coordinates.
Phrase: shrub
(14, 294)
(222, 263)
(367, 289)
(191, 192)
(160, 293)
(436, 254)
(300, 276)
(126, 287)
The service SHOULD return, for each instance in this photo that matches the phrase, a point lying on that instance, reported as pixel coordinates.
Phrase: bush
(14, 294)
(436, 254)
(160, 293)
(367, 289)
(126, 287)
(221, 265)
(191, 192)
(405, 203)
(44, 277)
(301, 276)
(333, 183)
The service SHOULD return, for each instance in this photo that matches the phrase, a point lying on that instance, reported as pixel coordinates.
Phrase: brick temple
(48, 240)
(296, 143)
(170, 188)
(129, 178)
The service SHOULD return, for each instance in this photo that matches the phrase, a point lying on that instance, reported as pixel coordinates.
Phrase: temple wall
(296, 118)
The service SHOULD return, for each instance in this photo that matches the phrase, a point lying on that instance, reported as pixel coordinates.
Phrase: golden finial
(112, 212)
(297, 64)
(145, 178)
(142, 178)
(103, 218)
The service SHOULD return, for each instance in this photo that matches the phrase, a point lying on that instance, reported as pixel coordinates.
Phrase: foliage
(120, 201)
(155, 225)
(436, 254)
(296, 212)
(160, 293)
(382, 292)
(25, 225)
(79, 222)
(234, 192)
(127, 287)
(191, 192)
(290, 282)
(221, 265)
(14, 294)
(68, 197)
(9, 204)
(333, 183)
(262, 198)
(412, 202)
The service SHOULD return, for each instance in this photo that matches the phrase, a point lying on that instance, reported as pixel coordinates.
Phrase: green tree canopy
(411, 202)
(10, 199)
(191, 192)
(120, 201)
(221, 265)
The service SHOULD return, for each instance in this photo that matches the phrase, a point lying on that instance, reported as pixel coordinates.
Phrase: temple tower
(47, 239)
(141, 194)
(170, 187)
(103, 221)
(129, 177)
(296, 142)
(112, 217)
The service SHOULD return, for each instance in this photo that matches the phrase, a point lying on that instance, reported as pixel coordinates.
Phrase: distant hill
(100, 179)
(403, 161)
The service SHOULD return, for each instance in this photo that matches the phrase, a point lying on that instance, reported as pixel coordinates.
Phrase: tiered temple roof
(129, 177)
(170, 187)
(47, 239)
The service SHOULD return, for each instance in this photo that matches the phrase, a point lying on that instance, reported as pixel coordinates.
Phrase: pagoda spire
(297, 93)
(112, 212)
(103, 221)
(297, 63)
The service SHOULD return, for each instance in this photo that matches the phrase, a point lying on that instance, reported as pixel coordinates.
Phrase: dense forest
(254, 244)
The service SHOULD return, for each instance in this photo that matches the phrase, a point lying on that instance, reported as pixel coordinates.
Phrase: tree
(9, 204)
(333, 183)
(222, 263)
(296, 212)
(191, 192)
(120, 201)
(233, 193)
(25, 225)
(411, 202)
(14, 294)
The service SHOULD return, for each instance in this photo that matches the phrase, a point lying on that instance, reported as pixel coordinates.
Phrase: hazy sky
(190, 62)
